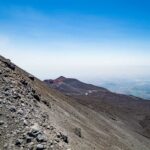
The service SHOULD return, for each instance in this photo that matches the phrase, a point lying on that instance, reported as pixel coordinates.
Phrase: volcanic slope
(130, 109)
(35, 117)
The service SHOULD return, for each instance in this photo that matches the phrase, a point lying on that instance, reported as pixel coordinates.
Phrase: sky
(85, 39)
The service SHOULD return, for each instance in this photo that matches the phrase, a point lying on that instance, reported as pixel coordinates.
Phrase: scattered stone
(77, 131)
(9, 64)
(37, 97)
(40, 147)
(63, 137)
(13, 132)
(5, 145)
(50, 127)
(6, 89)
(16, 96)
(33, 133)
(25, 123)
(20, 112)
(35, 126)
(41, 138)
(31, 146)
(18, 142)
(28, 139)
(47, 103)
(24, 82)
(1, 122)
(7, 93)
(5, 126)
(59, 135)
(31, 77)
(57, 140)
(12, 109)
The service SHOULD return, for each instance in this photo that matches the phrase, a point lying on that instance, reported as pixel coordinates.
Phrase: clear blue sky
(86, 39)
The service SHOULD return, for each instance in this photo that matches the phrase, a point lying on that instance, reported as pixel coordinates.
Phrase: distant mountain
(73, 86)
(131, 109)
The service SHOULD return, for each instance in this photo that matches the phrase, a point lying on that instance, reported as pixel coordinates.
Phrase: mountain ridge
(118, 105)
(71, 85)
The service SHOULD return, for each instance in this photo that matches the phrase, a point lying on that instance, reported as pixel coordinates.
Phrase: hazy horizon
(88, 40)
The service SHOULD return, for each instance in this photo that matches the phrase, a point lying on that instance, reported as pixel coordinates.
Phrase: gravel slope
(33, 116)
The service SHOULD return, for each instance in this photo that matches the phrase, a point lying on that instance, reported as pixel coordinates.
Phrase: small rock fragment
(25, 123)
(33, 133)
(12, 109)
(31, 77)
(10, 65)
(77, 131)
(24, 82)
(20, 112)
(41, 138)
(5, 145)
(36, 96)
(40, 147)
(63, 137)
(1, 122)
(18, 142)
(28, 139)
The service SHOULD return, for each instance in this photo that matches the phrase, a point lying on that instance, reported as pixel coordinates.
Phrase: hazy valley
(139, 87)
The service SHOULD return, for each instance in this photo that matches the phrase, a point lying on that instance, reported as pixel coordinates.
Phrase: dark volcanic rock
(34, 133)
(31, 77)
(28, 139)
(77, 131)
(12, 109)
(9, 64)
(18, 142)
(63, 137)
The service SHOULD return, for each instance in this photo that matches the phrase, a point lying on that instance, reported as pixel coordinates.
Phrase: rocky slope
(24, 121)
(35, 117)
